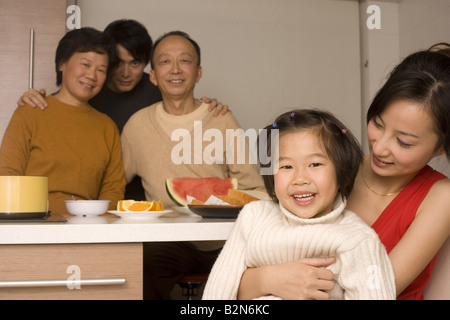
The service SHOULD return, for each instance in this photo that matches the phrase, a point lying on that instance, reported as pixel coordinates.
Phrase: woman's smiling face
(83, 76)
(305, 183)
(401, 139)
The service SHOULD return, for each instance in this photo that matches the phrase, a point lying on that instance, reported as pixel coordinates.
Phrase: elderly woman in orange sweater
(75, 146)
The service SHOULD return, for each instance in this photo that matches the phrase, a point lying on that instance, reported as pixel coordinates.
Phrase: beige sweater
(266, 233)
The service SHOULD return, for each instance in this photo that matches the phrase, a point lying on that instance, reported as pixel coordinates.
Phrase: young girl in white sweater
(314, 168)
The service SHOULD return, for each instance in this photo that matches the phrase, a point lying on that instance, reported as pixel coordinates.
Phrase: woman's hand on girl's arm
(295, 280)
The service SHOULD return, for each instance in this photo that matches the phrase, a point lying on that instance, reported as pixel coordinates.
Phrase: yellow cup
(22, 194)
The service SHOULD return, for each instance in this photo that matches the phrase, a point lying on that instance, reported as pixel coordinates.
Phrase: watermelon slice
(199, 188)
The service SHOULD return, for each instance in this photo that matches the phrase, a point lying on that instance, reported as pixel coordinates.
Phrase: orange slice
(132, 205)
(141, 206)
(122, 205)
(159, 206)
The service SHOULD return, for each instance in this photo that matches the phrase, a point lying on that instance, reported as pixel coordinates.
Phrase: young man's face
(127, 74)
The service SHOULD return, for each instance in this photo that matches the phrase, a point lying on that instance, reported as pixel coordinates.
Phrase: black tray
(24, 215)
(227, 212)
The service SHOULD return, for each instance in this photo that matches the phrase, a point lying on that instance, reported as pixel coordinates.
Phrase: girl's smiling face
(306, 182)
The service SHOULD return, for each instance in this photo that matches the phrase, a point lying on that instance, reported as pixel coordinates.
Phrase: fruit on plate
(199, 188)
(122, 205)
(132, 205)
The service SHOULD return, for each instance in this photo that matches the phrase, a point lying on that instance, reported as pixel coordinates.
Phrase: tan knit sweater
(77, 148)
(266, 234)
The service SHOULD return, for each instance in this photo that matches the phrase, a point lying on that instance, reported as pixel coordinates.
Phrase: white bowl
(87, 207)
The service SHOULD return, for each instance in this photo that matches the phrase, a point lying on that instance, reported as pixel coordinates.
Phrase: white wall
(261, 57)
(380, 50)
(423, 23)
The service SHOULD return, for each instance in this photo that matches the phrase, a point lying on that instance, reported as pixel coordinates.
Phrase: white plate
(139, 215)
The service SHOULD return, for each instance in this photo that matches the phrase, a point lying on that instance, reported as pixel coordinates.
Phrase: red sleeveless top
(396, 218)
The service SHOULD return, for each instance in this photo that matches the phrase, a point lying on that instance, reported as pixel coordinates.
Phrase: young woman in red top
(404, 200)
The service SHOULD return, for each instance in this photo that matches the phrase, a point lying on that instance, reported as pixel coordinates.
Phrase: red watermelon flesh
(199, 188)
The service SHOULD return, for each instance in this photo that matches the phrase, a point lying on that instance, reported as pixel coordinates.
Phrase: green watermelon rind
(182, 202)
(178, 201)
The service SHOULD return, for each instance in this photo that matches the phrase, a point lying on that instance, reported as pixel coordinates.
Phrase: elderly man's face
(176, 69)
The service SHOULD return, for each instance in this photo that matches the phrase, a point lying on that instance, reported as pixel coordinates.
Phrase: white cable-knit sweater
(265, 233)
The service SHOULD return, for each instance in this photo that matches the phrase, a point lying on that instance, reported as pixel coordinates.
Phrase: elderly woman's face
(83, 76)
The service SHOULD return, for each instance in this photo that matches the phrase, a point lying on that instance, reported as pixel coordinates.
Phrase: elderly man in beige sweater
(151, 149)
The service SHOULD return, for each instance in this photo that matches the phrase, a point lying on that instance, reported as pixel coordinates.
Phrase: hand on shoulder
(216, 107)
(34, 99)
